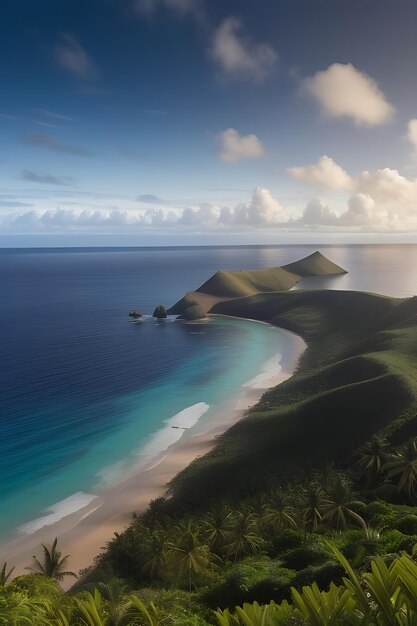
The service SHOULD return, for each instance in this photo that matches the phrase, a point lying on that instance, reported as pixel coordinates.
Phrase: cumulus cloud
(261, 210)
(46, 141)
(73, 58)
(237, 56)
(383, 201)
(326, 174)
(46, 179)
(235, 147)
(363, 214)
(344, 91)
(389, 188)
(317, 213)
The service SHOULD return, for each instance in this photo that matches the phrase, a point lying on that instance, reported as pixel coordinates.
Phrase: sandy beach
(85, 533)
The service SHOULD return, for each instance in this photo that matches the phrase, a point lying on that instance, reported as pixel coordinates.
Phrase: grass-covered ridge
(356, 378)
(227, 284)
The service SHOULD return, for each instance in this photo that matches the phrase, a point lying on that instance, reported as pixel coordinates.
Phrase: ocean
(85, 393)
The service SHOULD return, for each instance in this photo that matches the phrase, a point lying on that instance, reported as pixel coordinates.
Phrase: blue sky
(232, 120)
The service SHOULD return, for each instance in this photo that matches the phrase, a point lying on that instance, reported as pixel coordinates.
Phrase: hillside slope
(234, 284)
(356, 378)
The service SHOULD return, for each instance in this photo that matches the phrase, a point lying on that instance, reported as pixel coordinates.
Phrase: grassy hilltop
(227, 284)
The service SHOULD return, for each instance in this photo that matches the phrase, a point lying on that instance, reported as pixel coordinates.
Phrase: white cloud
(363, 214)
(238, 56)
(344, 91)
(412, 133)
(70, 55)
(389, 188)
(326, 174)
(384, 201)
(235, 147)
(263, 209)
(317, 213)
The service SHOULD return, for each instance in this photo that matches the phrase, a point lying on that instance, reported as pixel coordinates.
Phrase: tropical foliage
(326, 548)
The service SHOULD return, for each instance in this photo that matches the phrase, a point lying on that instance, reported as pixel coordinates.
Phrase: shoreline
(84, 533)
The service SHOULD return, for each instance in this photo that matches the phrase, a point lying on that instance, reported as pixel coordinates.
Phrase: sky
(208, 121)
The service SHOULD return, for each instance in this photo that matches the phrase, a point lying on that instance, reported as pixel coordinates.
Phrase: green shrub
(284, 541)
(407, 525)
(255, 578)
(274, 587)
(323, 575)
(396, 541)
(379, 513)
(303, 556)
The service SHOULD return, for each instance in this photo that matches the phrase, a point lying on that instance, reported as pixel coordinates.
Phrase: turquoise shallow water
(223, 355)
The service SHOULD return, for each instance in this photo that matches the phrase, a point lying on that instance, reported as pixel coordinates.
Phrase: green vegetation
(357, 378)
(323, 551)
(226, 284)
(234, 284)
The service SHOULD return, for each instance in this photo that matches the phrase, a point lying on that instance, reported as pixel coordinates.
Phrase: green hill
(228, 284)
(357, 377)
(315, 264)
(234, 284)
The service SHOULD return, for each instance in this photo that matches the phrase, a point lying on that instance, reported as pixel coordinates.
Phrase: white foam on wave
(271, 369)
(173, 430)
(58, 511)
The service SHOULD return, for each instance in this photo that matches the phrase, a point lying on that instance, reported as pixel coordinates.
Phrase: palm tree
(154, 555)
(340, 504)
(243, 538)
(53, 563)
(372, 458)
(403, 465)
(277, 511)
(190, 556)
(216, 527)
(5, 574)
(312, 507)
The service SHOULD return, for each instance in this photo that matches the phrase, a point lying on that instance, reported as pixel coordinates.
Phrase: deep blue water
(82, 388)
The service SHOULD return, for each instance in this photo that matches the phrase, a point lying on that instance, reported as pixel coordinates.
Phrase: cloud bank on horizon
(382, 201)
(182, 100)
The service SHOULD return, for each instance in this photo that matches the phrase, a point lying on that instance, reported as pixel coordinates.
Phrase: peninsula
(225, 285)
